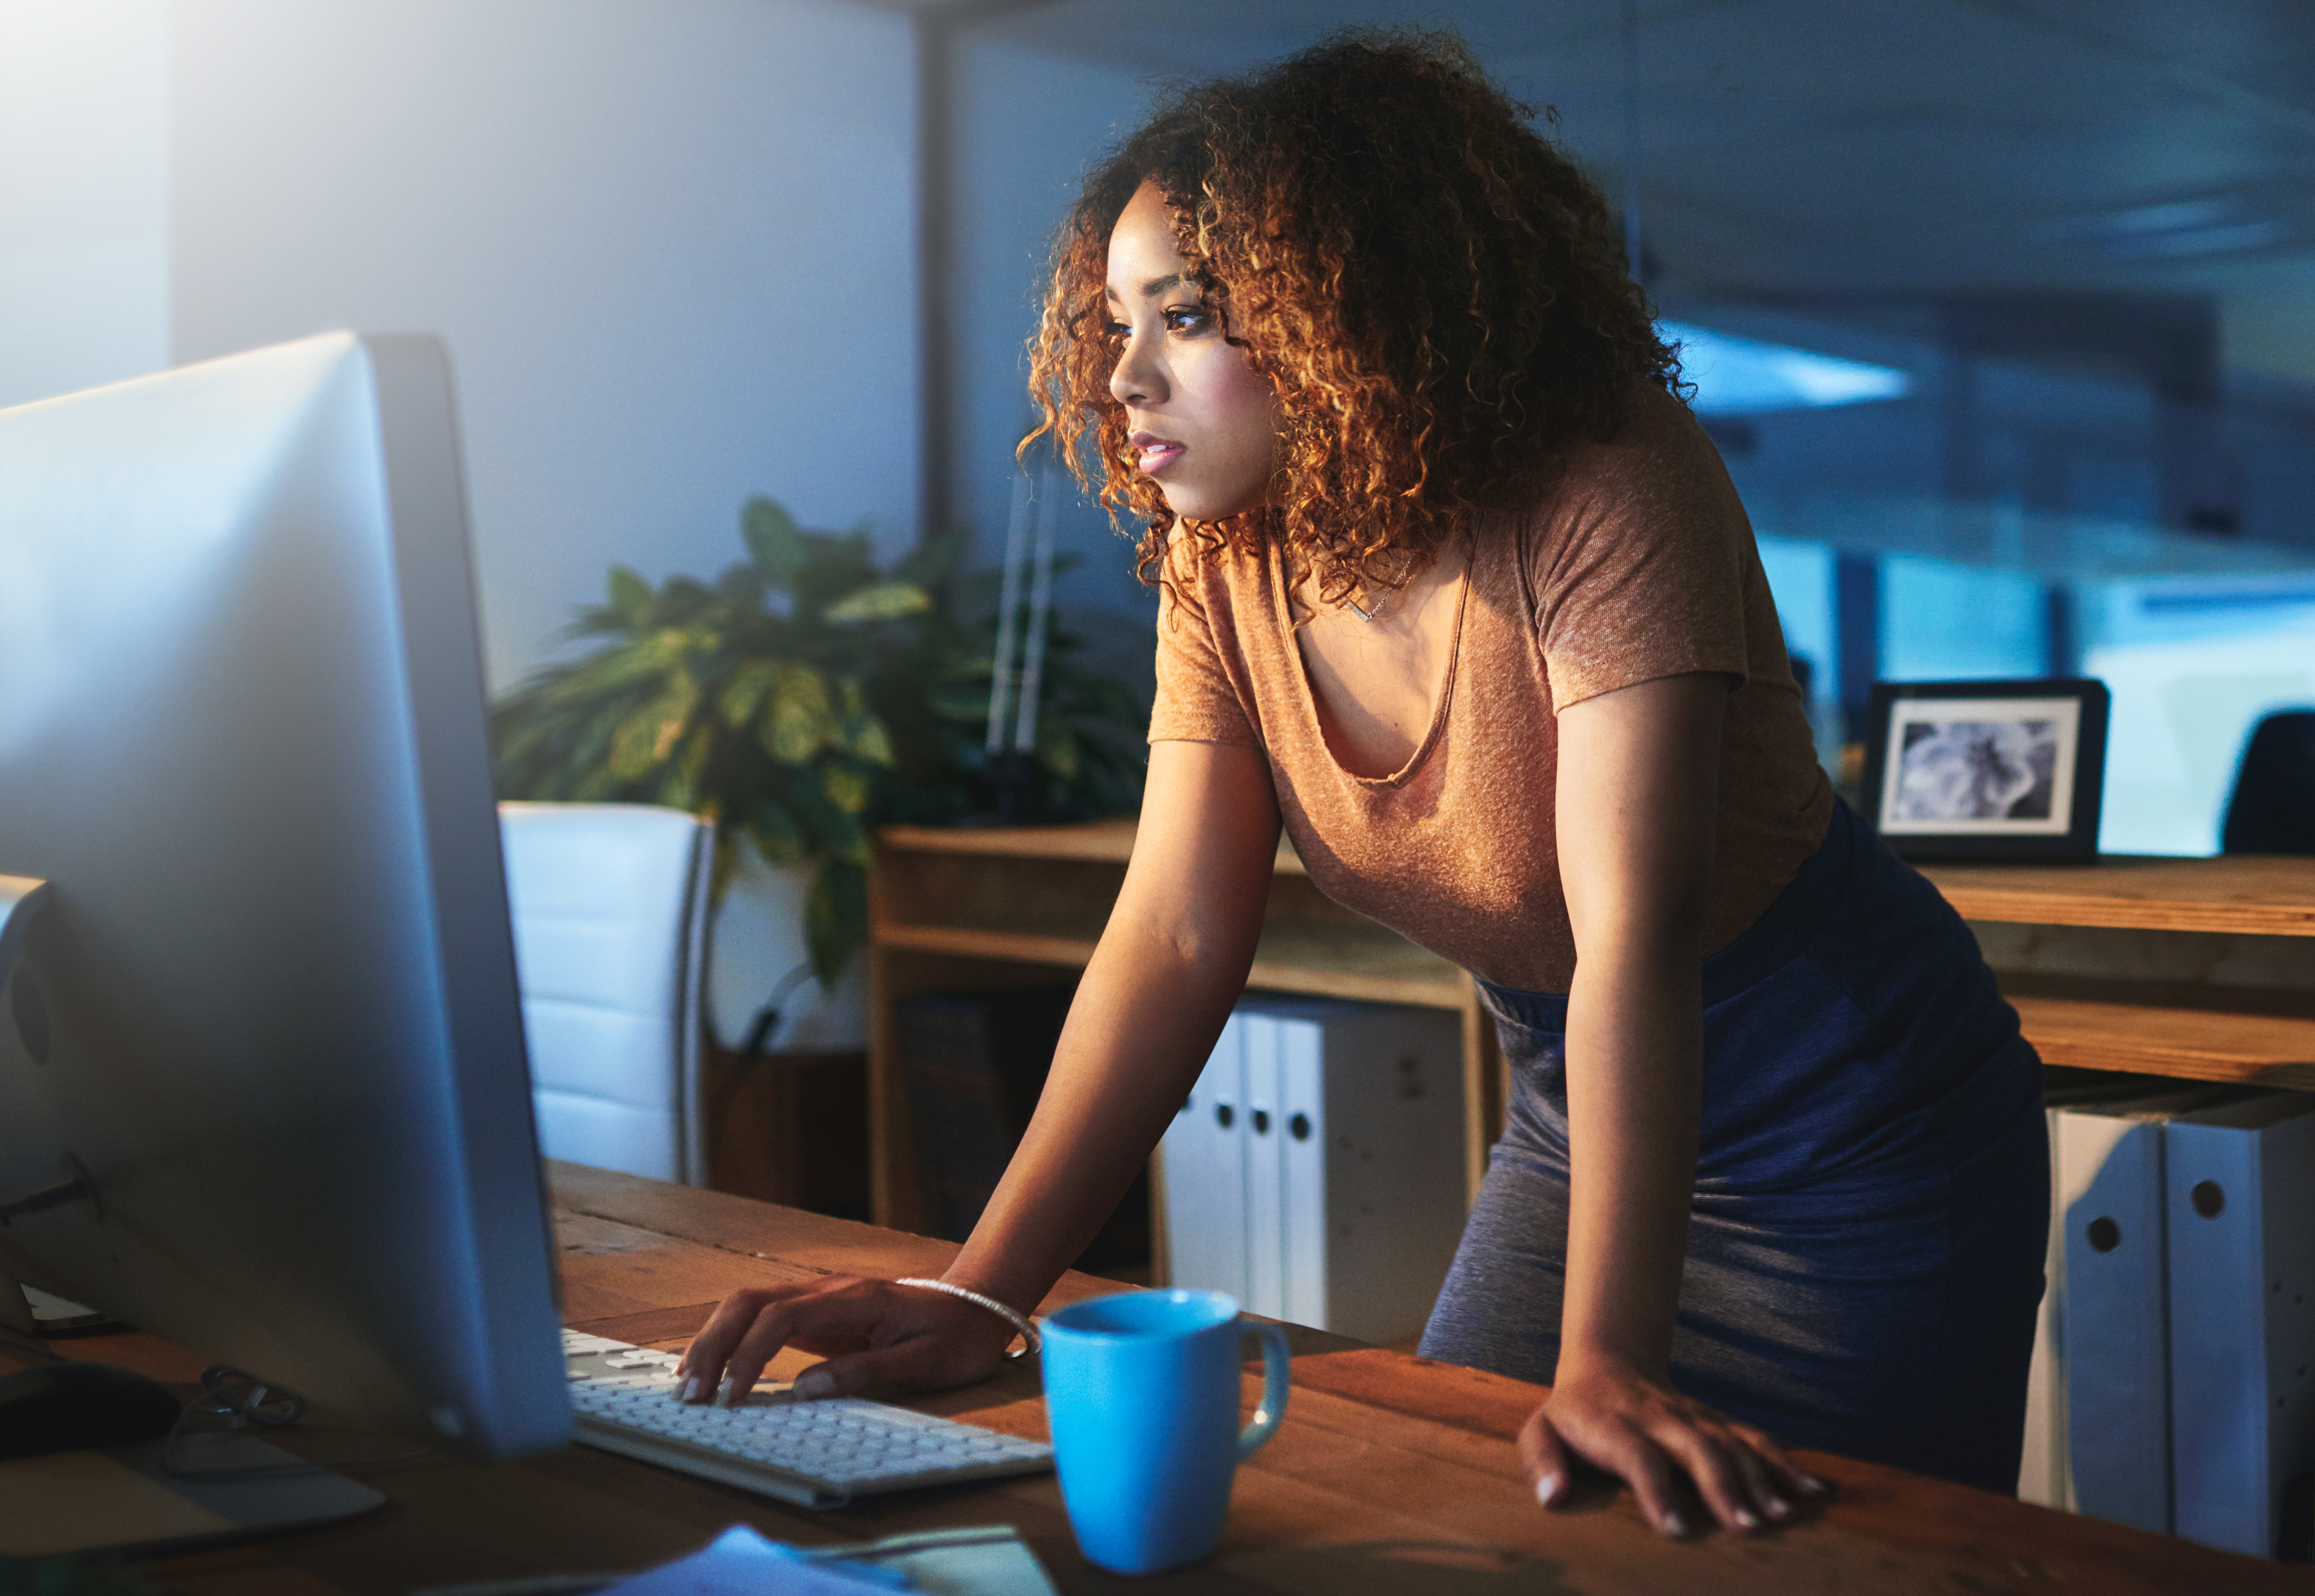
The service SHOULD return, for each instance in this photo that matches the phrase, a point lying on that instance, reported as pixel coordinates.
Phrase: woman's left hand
(1640, 1430)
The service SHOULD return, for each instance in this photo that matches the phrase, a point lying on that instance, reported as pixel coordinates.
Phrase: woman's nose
(1136, 380)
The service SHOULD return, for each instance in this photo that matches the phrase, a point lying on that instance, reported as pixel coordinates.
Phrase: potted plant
(805, 698)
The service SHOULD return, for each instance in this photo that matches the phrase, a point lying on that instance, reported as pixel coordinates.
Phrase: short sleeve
(1640, 566)
(1196, 701)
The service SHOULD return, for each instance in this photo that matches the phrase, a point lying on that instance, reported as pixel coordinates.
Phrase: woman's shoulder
(1658, 445)
(1657, 472)
(1217, 583)
(1204, 565)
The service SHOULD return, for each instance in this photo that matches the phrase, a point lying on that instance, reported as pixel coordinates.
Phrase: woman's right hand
(871, 1332)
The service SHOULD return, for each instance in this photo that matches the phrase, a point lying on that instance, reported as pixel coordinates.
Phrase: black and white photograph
(1962, 764)
(1989, 769)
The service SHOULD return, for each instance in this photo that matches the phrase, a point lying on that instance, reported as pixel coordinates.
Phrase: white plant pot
(758, 941)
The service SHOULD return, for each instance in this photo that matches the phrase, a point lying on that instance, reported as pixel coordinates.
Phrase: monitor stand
(147, 1495)
(25, 1307)
(124, 1497)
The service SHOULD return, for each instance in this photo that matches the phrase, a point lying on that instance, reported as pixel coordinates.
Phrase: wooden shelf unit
(2203, 969)
(2197, 968)
(1019, 905)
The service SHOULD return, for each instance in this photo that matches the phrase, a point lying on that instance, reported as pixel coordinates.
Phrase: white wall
(670, 244)
(84, 222)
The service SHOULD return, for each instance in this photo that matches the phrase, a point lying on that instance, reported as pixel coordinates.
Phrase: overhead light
(2230, 239)
(1748, 377)
(2172, 229)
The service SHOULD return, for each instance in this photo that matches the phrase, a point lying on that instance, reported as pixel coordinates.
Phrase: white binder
(1205, 1175)
(1263, 1132)
(1315, 1172)
(2241, 1209)
(1302, 1169)
(2042, 1474)
(2117, 1347)
(1371, 1162)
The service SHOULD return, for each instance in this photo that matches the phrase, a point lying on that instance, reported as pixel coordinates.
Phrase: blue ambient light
(1745, 377)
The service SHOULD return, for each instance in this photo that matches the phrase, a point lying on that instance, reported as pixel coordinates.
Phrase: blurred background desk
(2201, 968)
(1004, 905)
(1389, 1474)
(2196, 968)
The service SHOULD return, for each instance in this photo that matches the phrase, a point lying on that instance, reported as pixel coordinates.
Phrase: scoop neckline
(1282, 603)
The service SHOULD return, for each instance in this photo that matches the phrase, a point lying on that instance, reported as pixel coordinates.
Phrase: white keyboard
(817, 1454)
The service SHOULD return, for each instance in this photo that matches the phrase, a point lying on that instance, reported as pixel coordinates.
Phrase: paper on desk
(987, 1560)
(741, 1563)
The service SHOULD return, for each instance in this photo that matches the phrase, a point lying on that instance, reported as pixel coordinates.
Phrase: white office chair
(609, 903)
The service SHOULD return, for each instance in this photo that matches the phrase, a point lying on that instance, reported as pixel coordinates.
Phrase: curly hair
(1435, 291)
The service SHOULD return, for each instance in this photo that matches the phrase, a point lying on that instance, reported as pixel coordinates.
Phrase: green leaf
(878, 601)
(682, 600)
(833, 832)
(935, 558)
(775, 543)
(867, 737)
(646, 738)
(657, 652)
(681, 788)
(958, 701)
(797, 723)
(836, 919)
(846, 787)
(774, 832)
(742, 587)
(631, 596)
(743, 694)
(1057, 751)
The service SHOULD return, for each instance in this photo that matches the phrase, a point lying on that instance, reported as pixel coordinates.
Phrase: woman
(1455, 590)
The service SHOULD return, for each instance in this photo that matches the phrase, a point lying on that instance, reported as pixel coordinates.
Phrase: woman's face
(1203, 422)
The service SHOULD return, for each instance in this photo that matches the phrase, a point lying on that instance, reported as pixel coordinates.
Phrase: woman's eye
(1188, 318)
(1114, 329)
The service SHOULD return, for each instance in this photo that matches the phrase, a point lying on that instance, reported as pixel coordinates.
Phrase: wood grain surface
(2253, 893)
(1390, 1474)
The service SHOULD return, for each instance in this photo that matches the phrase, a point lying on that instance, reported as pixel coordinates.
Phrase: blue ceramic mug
(1141, 1390)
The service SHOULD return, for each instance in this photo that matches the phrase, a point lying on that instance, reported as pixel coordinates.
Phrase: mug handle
(1267, 1417)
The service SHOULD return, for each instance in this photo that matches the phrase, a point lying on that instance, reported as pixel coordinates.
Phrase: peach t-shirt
(1637, 562)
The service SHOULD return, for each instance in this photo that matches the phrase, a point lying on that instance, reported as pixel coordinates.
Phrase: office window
(1941, 619)
(2002, 317)
(2191, 667)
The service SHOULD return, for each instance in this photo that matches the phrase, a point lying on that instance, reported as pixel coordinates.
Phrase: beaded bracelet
(1021, 1322)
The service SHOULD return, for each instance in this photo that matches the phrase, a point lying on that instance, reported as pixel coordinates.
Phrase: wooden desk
(1389, 1474)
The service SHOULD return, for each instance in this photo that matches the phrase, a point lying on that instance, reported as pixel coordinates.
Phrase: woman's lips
(1152, 453)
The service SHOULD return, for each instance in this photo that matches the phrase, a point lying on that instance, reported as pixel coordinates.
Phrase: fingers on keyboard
(746, 1332)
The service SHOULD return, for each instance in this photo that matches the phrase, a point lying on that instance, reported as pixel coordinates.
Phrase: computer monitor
(262, 1089)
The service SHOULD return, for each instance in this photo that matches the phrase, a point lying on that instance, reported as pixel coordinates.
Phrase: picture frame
(2011, 770)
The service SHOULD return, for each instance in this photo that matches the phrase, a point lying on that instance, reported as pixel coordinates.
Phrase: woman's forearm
(1634, 1040)
(1171, 963)
(1142, 1025)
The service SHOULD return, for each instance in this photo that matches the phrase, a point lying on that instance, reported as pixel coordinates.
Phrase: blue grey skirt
(1872, 1190)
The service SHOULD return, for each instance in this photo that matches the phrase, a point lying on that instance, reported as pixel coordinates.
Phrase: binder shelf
(1003, 906)
(2203, 969)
